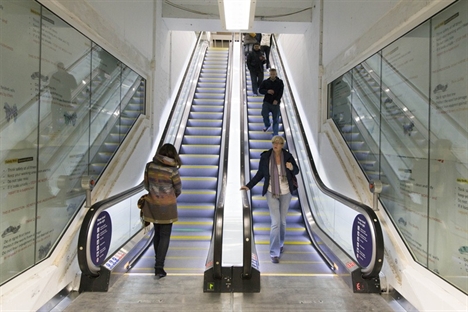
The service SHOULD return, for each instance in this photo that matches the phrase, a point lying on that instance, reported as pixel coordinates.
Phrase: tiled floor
(143, 292)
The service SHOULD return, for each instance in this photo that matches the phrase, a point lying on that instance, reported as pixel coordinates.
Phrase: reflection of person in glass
(340, 102)
(61, 86)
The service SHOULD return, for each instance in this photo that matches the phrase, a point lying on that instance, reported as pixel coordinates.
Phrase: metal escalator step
(206, 115)
(216, 70)
(191, 237)
(218, 95)
(212, 85)
(197, 159)
(198, 171)
(219, 77)
(255, 152)
(208, 91)
(210, 80)
(203, 131)
(199, 149)
(202, 139)
(218, 102)
(196, 206)
(207, 108)
(254, 111)
(195, 182)
(255, 118)
(204, 123)
(260, 135)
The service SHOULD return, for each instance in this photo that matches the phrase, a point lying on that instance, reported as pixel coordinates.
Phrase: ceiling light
(237, 14)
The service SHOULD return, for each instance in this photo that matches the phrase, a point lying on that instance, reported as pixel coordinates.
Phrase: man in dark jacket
(273, 89)
(255, 61)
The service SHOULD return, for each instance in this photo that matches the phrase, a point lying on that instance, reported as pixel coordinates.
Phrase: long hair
(170, 151)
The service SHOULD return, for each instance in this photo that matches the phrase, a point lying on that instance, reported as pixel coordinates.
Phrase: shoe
(255, 94)
(275, 259)
(281, 249)
(266, 128)
(159, 272)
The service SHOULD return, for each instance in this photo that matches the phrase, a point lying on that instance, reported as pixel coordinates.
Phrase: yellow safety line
(194, 222)
(177, 237)
(198, 192)
(287, 229)
(196, 207)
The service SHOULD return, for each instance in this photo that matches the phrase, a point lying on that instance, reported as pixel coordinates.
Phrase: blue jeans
(162, 237)
(268, 108)
(278, 212)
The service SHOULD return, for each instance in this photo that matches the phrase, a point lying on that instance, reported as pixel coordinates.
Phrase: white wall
(132, 21)
(352, 31)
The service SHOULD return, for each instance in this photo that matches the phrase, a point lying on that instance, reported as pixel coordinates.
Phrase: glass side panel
(20, 82)
(448, 155)
(405, 82)
(126, 221)
(54, 83)
(409, 108)
(63, 131)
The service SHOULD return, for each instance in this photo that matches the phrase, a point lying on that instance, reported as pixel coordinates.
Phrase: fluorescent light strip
(237, 14)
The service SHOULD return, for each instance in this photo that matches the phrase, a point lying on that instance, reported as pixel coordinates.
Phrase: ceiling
(272, 16)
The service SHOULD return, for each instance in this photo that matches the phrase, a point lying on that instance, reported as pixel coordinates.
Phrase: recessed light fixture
(237, 14)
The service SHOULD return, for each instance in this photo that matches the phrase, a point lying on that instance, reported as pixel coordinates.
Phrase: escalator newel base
(231, 281)
(364, 285)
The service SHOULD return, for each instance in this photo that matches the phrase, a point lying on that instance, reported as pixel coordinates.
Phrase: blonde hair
(278, 139)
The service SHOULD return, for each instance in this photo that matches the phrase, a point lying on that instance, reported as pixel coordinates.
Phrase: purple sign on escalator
(101, 238)
(362, 240)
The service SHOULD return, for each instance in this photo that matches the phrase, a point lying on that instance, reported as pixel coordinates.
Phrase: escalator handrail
(85, 263)
(375, 266)
(84, 238)
(218, 224)
(246, 208)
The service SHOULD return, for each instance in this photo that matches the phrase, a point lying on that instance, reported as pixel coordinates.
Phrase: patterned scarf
(275, 175)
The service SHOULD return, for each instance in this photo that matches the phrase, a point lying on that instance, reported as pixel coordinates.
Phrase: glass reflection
(61, 109)
(20, 82)
(412, 115)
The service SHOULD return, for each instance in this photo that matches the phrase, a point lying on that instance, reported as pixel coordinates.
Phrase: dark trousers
(257, 78)
(162, 237)
(268, 108)
(266, 50)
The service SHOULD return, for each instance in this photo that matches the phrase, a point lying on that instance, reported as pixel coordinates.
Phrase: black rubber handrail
(246, 208)
(84, 260)
(376, 265)
(86, 265)
(219, 212)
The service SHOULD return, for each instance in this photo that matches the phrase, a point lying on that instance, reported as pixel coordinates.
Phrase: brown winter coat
(164, 185)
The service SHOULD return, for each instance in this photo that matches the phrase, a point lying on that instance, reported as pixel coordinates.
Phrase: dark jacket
(264, 170)
(164, 185)
(255, 60)
(277, 85)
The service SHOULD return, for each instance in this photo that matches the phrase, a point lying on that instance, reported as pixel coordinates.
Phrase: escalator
(299, 255)
(199, 152)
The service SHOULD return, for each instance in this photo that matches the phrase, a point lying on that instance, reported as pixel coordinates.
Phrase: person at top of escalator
(277, 166)
(255, 61)
(162, 181)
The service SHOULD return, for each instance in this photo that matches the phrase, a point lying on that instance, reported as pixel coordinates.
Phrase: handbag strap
(146, 175)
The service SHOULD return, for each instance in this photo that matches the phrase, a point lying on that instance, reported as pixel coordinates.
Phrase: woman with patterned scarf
(162, 180)
(278, 167)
